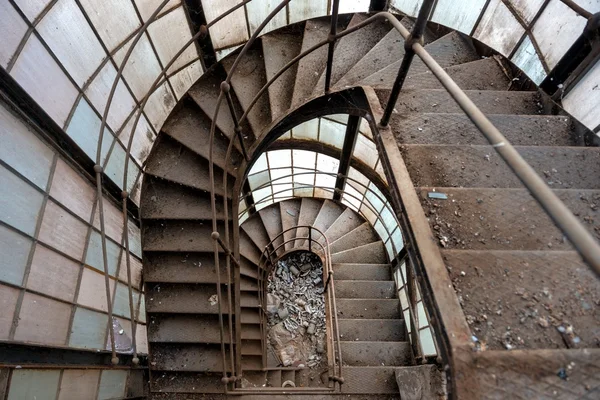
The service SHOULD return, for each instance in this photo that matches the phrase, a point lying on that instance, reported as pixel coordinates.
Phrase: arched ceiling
(65, 55)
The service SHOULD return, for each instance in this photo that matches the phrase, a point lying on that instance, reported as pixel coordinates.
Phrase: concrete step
(505, 219)
(481, 166)
(247, 268)
(290, 211)
(271, 218)
(278, 49)
(311, 66)
(361, 235)
(351, 48)
(346, 222)
(355, 289)
(184, 328)
(372, 253)
(376, 330)
(370, 380)
(251, 347)
(184, 267)
(523, 290)
(176, 163)
(368, 308)
(248, 249)
(178, 235)
(183, 299)
(191, 127)
(309, 210)
(249, 299)
(376, 353)
(246, 81)
(328, 213)
(488, 101)
(457, 129)
(175, 201)
(249, 316)
(205, 93)
(483, 74)
(186, 357)
(374, 272)
(256, 231)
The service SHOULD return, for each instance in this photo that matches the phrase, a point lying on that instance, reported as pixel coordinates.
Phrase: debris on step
(296, 311)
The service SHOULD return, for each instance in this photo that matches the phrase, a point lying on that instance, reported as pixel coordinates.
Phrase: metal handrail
(267, 256)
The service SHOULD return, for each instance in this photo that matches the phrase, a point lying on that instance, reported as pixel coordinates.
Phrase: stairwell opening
(296, 314)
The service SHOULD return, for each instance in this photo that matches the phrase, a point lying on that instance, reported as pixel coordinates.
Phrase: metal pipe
(331, 39)
(416, 36)
(225, 87)
(579, 236)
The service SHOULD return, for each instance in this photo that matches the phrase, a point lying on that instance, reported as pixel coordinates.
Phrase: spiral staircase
(443, 152)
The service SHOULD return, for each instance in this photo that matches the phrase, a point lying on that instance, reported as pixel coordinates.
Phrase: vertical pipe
(331, 39)
(346, 156)
(135, 359)
(415, 36)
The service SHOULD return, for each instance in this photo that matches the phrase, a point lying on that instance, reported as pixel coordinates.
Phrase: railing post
(226, 88)
(416, 36)
(310, 239)
(331, 39)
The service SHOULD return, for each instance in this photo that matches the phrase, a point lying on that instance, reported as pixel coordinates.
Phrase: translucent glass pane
(422, 316)
(299, 10)
(397, 240)
(460, 16)
(379, 170)
(354, 6)
(390, 249)
(142, 67)
(159, 105)
(258, 11)
(259, 179)
(221, 54)
(368, 213)
(265, 203)
(243, 217)
(407, 321)
(499, 28)
(427, 343)
(361, 184)
(352, 197)
(185, 78)
(307, 130)
(325, 181)
(261, 195)
(341, 118)
(332, 133)
(112, 31)
(528, 60)
(229, 31)
(409, 7)
(303, 178)
(260, 164)
(327, 164)
(279, 158)
(365, 129)
(281, 175)
(147, 7)
(80, 57)
(242, 206)
(403, 298)
(366, 151)
(284, 190)
(287, 135)
(323, 193)
(380, 229)
(12, 30)
(388, 218)
(304, 159)
(303, 191)
(375, 198)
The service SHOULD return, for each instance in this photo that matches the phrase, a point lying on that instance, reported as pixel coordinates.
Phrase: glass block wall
(67, 384)
(52, 287)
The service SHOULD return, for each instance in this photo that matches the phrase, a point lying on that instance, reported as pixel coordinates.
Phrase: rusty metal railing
(564, 219)
(267, 262)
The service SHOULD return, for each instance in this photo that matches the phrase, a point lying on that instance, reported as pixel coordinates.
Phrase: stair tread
(370, 380)
(186, 357)
(311, 66)
(290, 210)
(508, 282)
(271, 218)
(246, 81)
(347, 289)
(186, 382)
(483, 74)
(191, 127)
(251, 347)
(351, 48)
(346, 222)
(488, 101)
(175, 201)
(372, 253)
(360, 353)
(442, 165)
(458, 129)
(376, 272)
(505, 219)
(380, 330)
(368, 308)
(256, 231)
(248, 249)
(176, 163)
(183, 267)
(249, 316)
(363, 234)
(184, 328)
(179, 235)
(328, 213)
(184, 299)
(309, 209)
(279, 48)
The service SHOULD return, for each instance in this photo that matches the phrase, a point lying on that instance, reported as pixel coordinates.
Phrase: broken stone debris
(296, 311)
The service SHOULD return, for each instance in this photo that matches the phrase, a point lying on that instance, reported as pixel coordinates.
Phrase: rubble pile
(296, 311)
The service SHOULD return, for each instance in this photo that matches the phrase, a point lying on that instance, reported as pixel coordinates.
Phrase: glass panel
(527, 8)
(35, 65)
(221, 54)
(366, 151)
(332, 133)
(388, 218)
(243, 217)
(299, 10)
(307, 130)
(427, 343)
(143, 138)
(147, 7)
(261, 194)
(159, 105)
(362, 182)
(229, 31)
(304, 159)
(259, 179)
(390, 249)
(84, 129)
(406, 314)
(460, 16)
(31, 9)
(279, 158)
(283, 190)
(258, 11)
(260, 164)
(422, 316)
(323, 193)
(365, 129)
(583, 99)
(397, 239)
(169, 34)
(367, 212)
(303, 192)
(528, 60)
(409, 7)
(327, 164)
(380, 229)
(185, 78)
(354, 6)
(20, 203)
(33, 384)
(498, 28)
(287, 135)
(80, 57)
(380, 172)
(12, 30)
(15, 250)
(341, 118)
(374, 197)
(111, 30)
(352, 197)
